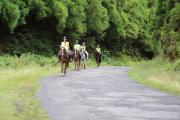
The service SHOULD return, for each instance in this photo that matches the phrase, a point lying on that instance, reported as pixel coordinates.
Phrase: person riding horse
(83, 49)
(76, 55)
(84, 55)
(98, 55)
(64, 55)
(65, 44)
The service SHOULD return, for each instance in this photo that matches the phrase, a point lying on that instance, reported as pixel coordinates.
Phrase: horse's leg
(84, 65)
(65, 67)
(81, 65)
(61, 67)
(75, 64)
(79, 62)
(98, 62)
(67, 64)
(68, 60)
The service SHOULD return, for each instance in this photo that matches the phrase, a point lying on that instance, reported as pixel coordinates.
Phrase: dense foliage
(137, 27)
(167, 29)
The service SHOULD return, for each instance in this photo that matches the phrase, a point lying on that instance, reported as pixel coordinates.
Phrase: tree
(9, 14)
(97, 17)
(168, 24)
(76, 27)
(60, 12)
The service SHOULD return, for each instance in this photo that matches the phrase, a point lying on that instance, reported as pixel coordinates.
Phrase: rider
(98, 49)
(83, 48)
(65, 44)
(77, 46)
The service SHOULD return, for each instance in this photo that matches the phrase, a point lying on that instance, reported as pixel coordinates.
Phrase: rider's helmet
(64, 38)
(77, 41)
(84, 43)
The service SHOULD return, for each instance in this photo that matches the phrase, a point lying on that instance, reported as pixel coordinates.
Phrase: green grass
(158, 74)
(19, 85)
(122, 60)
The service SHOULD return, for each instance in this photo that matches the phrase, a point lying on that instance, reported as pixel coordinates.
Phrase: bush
(26, 43)
(7, 61)
(177, 65)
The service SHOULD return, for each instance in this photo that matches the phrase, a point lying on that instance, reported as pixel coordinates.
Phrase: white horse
(84, 57)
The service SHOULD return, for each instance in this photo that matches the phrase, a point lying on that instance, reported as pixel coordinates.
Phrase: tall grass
(7, 61)
(159, 74)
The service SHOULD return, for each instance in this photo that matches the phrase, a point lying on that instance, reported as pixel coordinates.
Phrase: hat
(65, 37)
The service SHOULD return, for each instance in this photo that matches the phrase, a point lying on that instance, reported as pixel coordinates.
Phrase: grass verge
(158, 74)
(19, 85)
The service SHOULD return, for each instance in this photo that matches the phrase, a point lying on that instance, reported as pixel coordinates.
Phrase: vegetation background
(141, 28)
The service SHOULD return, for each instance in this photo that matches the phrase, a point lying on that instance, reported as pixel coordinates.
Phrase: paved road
(105, 93)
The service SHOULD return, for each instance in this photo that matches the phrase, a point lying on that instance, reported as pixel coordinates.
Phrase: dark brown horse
(64, 60)
(77, 59)
(98, 58)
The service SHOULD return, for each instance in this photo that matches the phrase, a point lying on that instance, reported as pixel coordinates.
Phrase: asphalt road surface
(105, 93)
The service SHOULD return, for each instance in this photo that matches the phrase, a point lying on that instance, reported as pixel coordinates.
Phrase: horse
(76, 58)
(64, 60)
(69, 56)
(98, 58)
(84, 57)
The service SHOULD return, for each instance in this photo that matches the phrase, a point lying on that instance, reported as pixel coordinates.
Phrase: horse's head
(82, 50)
(76, 54)
(64, 55)
(63, 51)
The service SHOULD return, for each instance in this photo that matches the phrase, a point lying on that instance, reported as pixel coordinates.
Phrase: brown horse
(64, 60)
(77, 59)
(98, 58)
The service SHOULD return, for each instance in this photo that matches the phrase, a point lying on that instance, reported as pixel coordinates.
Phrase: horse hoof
(63, 75)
